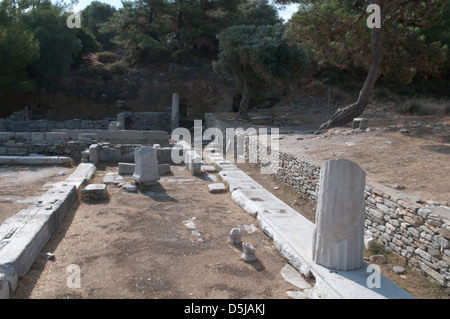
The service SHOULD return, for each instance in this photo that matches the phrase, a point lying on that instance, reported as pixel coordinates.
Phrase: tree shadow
(441, 149)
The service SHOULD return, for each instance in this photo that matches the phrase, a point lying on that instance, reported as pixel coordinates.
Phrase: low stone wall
(146, 120)
(74, 142)
(141, 121)
(418, 232)
(7, 125)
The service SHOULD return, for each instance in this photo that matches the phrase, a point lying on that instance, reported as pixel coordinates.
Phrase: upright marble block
(338, 241)
(94, 153)
(146, 165)
(175, 111)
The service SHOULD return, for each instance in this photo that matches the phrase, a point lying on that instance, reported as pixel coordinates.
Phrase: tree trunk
(345, 115)
(245, 101)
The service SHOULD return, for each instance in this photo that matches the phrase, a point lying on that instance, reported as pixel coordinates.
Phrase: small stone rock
(48, 256)
(399, 270)
(295, 202)
(130, 188)
(404, 131)
(250, 228)
(369, 242)
(249, 252)
(217, 188)
(276, 188)
(190, 224)
(209, 169)
(196, 233)
(95, 191)
(235, 236)
(378, 259)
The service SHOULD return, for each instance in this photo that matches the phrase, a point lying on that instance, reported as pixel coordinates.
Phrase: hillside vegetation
(148, 49)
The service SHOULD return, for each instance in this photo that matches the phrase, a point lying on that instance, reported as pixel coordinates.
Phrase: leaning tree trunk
(345, 115)
(245, 101)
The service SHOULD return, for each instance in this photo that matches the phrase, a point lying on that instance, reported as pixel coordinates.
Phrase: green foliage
(107, 57)
(88, 41)
(93, 16)
(156, 29)
(59, 44)
(257, 12)
(117, 67)
(18, 49)
(37, 46)
(415, 35)
(259, 54)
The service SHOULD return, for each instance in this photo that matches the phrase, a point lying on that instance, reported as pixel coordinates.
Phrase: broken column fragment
(235, 236)
(249, 252)
(338, 241)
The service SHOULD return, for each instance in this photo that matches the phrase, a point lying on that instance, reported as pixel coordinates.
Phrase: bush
(427, 106)
(181, 55)
(107, 57)
(117, 67)
(381, 94)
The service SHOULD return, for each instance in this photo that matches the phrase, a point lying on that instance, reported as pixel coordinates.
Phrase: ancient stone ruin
(339, 233)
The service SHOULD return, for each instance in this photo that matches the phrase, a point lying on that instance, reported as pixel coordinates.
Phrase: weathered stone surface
(235, 236)
(146, 165)
(130, 188)
(83, 173)
(94, 153)
(4, 287)
(339, 233)
(193, 162)
(399, 270)
(291, 275)
(249, 254)
(108, 154)
(209, 168)
(360, 123)
(95, 191)
(126, 168)
(217, 188)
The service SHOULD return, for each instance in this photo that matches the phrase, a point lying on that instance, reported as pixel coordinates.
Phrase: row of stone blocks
(102, 153)
(23, 235)
(113, 136)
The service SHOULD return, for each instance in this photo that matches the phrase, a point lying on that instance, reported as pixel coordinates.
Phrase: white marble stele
(146, 165)
(338, 240)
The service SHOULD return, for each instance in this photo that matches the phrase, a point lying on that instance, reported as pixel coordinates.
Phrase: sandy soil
(136, 245)
(21, 185)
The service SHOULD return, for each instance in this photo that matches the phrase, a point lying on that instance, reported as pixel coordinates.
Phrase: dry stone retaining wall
(141, 121)
(418, 232)
(74, 142)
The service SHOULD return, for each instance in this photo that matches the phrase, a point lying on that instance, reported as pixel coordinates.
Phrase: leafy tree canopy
(93, 16)
(258, 56)
(415, 34)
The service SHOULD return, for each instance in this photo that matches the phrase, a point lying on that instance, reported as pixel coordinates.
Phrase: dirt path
(139, 246)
